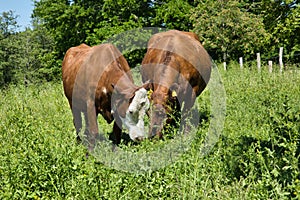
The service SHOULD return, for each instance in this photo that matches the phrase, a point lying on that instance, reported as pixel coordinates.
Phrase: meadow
(256, 156)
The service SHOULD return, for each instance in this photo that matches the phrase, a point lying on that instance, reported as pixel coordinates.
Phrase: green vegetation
(256, 157)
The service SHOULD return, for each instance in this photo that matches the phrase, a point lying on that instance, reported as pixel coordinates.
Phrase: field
(256, 156)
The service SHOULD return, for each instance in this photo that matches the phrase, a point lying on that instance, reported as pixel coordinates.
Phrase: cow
(178, 69)
(98, 80)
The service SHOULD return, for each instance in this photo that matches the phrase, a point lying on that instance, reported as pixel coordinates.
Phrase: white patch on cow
(104, 90)
(134, 119)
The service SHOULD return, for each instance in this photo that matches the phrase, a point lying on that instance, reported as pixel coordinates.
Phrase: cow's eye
(143, 103)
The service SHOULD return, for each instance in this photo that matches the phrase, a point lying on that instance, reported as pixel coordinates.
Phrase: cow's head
(134, 117)
(162, 105)
(131, 108)
(158, 117)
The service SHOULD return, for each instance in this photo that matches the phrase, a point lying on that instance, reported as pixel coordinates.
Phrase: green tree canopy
(281, 20)
(227, 29)
(75, 22)
(173, 14)
(23, 54)
(8, 47)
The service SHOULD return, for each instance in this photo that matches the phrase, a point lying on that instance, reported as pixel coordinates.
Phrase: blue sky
(22, 8)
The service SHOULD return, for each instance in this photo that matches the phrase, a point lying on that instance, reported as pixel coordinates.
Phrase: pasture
(256, 156)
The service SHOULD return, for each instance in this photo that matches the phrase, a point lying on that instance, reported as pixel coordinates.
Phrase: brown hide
(175, 60)
(89, 74)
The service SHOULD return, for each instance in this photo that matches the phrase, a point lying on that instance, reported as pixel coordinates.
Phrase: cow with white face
(98, 80)
(134, 117)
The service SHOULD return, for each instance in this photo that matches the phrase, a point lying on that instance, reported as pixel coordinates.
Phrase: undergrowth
(256, 157)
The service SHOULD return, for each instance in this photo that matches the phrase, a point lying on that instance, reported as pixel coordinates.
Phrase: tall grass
(256, 157)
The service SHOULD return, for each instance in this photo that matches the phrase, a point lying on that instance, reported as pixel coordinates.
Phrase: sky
(22, 8)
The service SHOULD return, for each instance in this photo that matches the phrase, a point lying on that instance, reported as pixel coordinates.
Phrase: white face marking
(104, 90)
(134, 119)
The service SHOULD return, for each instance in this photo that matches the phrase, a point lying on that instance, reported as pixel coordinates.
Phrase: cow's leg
(77, 120)
(187, 114)
(117, 130)
(92, 124)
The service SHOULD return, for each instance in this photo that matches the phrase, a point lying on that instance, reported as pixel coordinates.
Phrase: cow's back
(89, 74)
(185, 47)
(71, 64)
(86, 65)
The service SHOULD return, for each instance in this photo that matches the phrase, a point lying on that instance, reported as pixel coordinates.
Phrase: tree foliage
(287, 32)
(71, 23)
(8, 47)
(173, 14)
(228, 30)
(281, 20)
(75, 22)
(23, 54)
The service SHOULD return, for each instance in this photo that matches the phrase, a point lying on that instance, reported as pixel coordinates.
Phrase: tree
(282, 21)
(289, 33)
(173, 14)
(8, 23)
(71, 23)
(8, 48)
(23, 55)
(227, 30)
(75, 22)
(36, 56)
(66, 23)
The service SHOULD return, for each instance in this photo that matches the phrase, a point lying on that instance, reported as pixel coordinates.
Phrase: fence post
(241, 62)
(258, 61)
(225, 67)
(280, 59)
(270, 66)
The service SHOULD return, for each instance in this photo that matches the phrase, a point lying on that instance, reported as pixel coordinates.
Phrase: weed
(256, 157)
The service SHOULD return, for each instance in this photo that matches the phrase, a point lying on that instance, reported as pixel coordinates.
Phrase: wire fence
(271, 62)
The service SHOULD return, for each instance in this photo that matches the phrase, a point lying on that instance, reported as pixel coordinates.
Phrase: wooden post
(224, 58)
(241, 62)
(258, 61)
(270, 66)
(280, 59)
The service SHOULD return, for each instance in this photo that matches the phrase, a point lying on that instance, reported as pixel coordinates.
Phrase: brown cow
(98, 80)
(175, 63)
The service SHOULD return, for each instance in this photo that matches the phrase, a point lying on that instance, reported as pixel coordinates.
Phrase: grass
(256, 157)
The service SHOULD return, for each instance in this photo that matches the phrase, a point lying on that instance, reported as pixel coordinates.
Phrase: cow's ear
(114, 88)
(173, 90)
(129, 96)
(174, 86)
